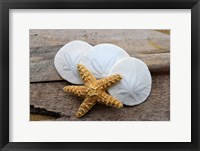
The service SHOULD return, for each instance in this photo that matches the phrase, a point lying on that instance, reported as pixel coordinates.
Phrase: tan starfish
(93, 91)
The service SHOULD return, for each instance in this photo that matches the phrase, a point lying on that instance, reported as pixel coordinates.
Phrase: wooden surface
(42, 63)
(38, 117)
(46, 86)
(150, 46)
(51, 97)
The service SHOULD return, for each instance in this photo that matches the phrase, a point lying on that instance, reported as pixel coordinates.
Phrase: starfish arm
(85, 74)
(76, 90)
(87, 104)
(109, 100)
(109, 81)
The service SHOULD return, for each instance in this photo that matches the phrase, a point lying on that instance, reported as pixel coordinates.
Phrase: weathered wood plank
(164, 31)
(138, 41)
(42, 63)
(157, 63)
(148, 45)
(51, 97)
(37, 117)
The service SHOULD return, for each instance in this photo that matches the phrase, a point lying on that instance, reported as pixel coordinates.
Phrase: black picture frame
(5, 5)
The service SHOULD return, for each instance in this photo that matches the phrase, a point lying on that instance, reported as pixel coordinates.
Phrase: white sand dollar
(135, 85)
(101, 58)
(68, 57)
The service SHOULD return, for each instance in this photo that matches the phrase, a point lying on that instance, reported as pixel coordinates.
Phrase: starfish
(94, 91)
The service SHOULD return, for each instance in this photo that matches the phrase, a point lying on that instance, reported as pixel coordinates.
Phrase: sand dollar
(135, 86)
(101, 58)
(68, 57)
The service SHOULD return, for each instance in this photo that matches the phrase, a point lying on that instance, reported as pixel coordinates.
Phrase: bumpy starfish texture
(93, 91)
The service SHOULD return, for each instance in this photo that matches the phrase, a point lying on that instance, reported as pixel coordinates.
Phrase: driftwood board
(151, 46)
(52, 97)
(46, 86)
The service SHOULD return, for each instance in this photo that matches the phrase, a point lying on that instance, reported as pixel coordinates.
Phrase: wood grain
(37, 117)
(42, 63)
(52, 97)
(151, 46)
(138, 41)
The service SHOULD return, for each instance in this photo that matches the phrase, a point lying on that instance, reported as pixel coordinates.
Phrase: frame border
(5, 5)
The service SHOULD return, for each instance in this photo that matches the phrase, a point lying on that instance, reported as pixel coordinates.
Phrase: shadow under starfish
(93, 91)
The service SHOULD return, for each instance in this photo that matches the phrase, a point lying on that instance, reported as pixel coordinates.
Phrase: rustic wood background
(49, 102)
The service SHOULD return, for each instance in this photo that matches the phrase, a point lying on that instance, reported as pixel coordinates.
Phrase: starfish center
(92, 91)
